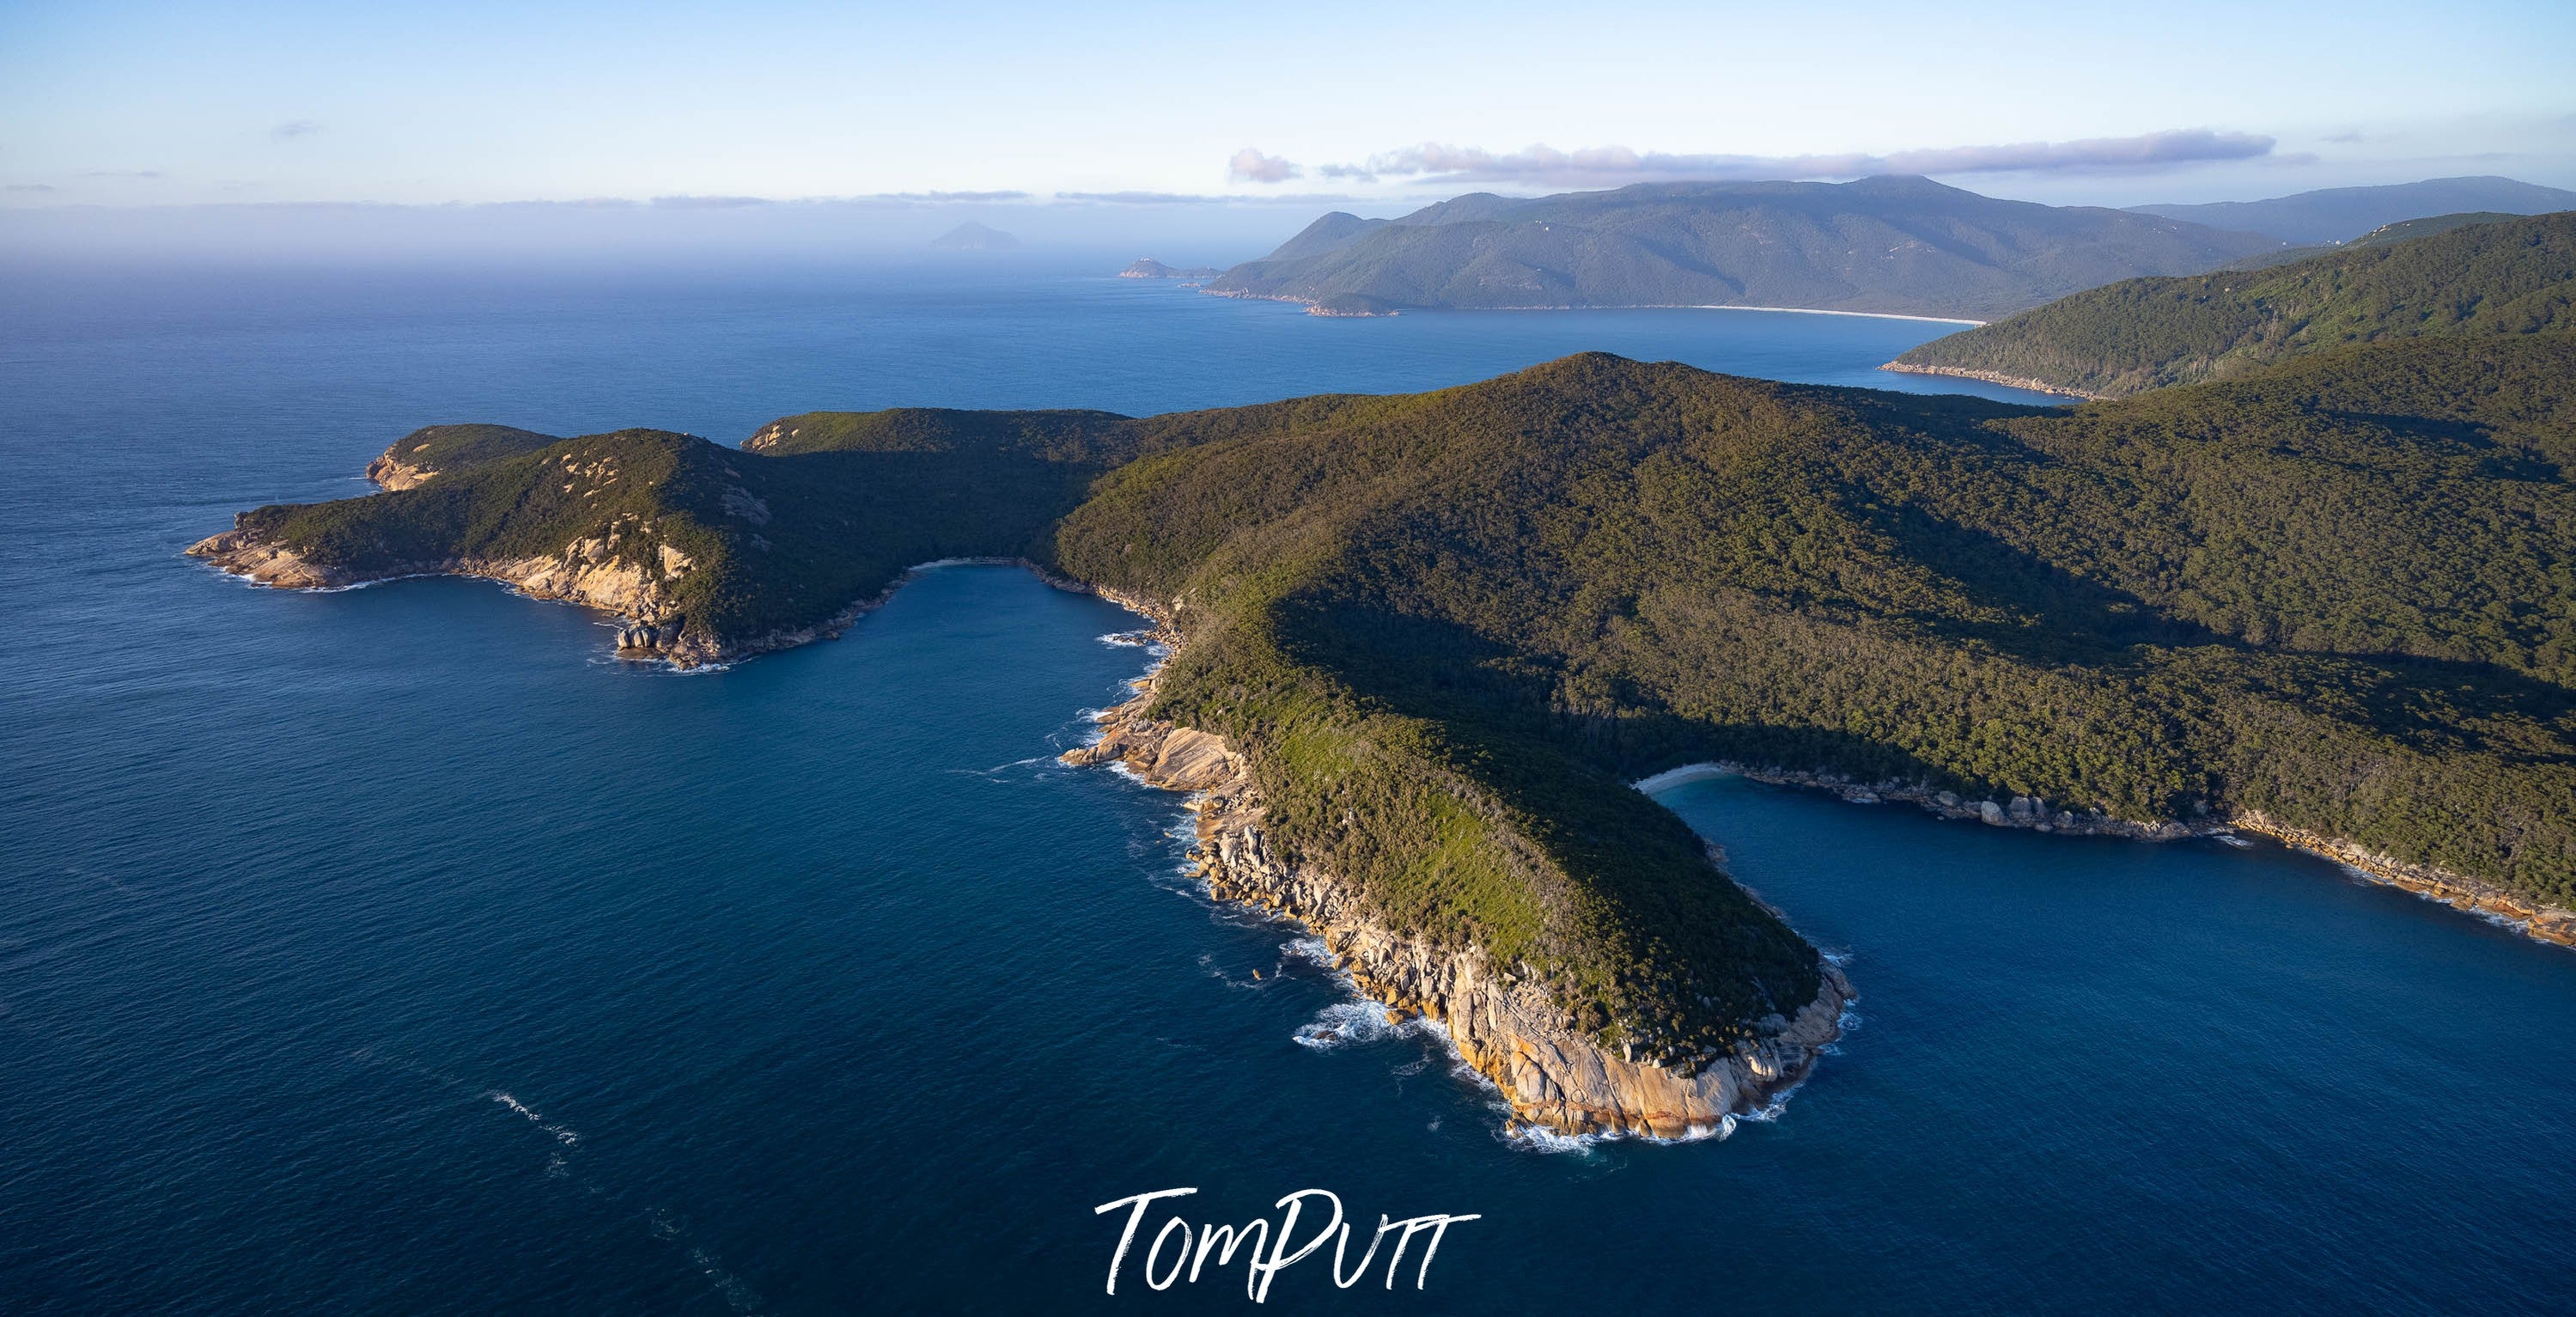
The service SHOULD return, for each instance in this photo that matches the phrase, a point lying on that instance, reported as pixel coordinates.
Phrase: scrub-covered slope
(1427, 640)
(2517, 276)
(2337, 596)
(711, 553)
(418, 457)
(2336, 591)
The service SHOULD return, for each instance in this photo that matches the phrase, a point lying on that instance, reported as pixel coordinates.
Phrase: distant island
(973, 237)
(1897, 245)
(1422, 645)
(1149, 268)
(2341, 214)
(2447, 275)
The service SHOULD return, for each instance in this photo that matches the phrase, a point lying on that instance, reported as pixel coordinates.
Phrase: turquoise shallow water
(393, 950)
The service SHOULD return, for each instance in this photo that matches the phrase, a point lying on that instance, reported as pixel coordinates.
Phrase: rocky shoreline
(588, 572)
(2538, 922)
(1510, 1032)
(583, 574)
(1996, 377)
(390, 472)
(1334, 305)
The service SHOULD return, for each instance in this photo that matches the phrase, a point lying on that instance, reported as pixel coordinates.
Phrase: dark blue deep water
(395, 951)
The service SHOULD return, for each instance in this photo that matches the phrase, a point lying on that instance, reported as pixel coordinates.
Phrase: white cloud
(1251, 166)
(1619, 164)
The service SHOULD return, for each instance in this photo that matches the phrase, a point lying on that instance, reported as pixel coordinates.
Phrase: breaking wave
(1345, 1023)
(562, 1134)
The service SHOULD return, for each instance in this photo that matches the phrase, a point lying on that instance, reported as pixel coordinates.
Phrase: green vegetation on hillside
(1447, 628)
(815, 512)
(2342, 595)
(1325, 234)
(2517, 276)
(448, 447)
(2401, 231)
(776, 544)
(1905, 245)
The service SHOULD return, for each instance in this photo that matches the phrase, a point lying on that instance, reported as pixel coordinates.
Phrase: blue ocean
(398, 950)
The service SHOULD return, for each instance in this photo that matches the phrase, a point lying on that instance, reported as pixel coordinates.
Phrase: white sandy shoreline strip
(1697, 306)
(1673, 777)
(1694, 306)
(1813, 311)
(1633, 306)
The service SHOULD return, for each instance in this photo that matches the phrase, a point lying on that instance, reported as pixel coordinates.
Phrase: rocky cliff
(392, 470)
(631, 580)
(627, 570)
(1510, 1031)
(2004, 378)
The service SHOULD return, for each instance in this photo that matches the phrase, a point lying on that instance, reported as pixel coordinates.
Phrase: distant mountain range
(2343, 213)
(2511, 276)
(973, 237)
(2401, 231)
(1898, 245)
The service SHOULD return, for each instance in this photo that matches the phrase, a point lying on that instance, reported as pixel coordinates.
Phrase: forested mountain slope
(1894, 244)
(2401, 231)
(2517, 276)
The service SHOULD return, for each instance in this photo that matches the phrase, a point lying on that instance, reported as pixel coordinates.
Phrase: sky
(1021, 109)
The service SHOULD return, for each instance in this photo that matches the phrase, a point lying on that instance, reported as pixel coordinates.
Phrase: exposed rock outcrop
(1995, 377)
(394, 469)
(1353, 306)
(592, 572)
(624, 571)
(1508, 1030)
(246, 553)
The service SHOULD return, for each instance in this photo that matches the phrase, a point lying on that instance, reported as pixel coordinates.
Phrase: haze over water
(395, 949)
